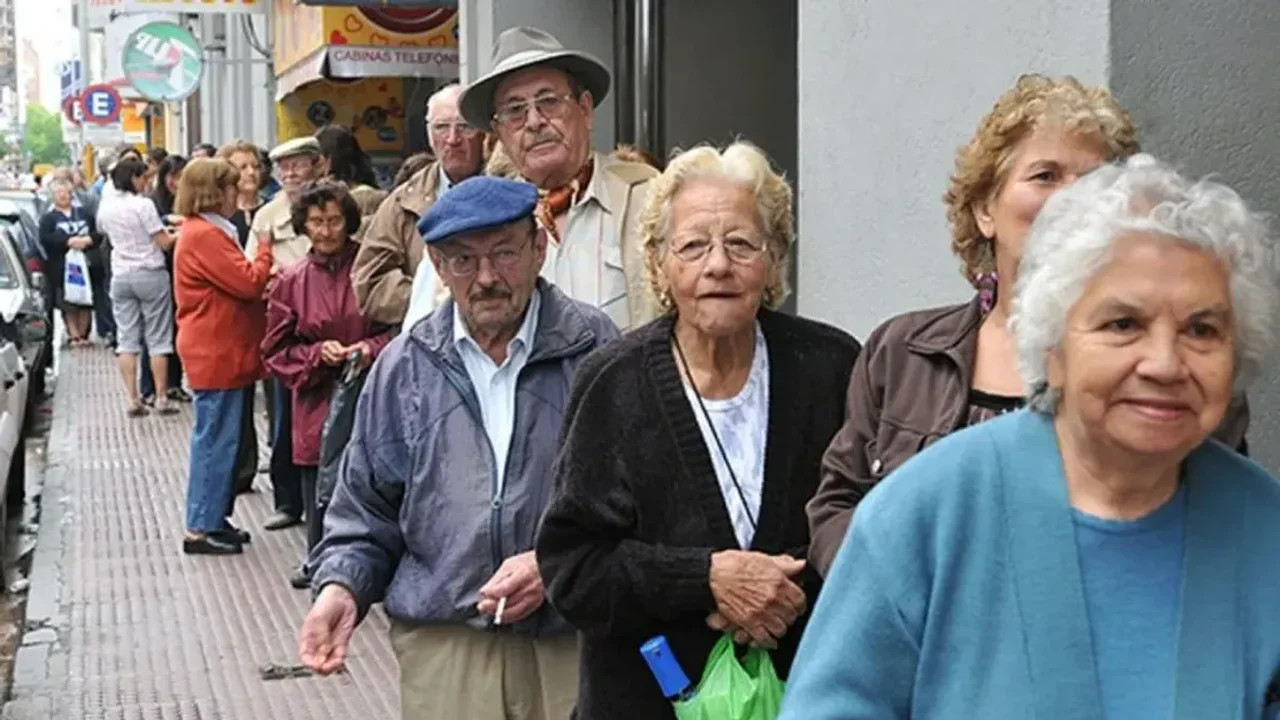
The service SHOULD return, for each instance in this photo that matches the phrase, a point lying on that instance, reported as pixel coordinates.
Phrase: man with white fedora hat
(540, 99)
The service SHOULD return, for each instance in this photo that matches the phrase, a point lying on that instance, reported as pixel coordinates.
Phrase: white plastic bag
(76, 289)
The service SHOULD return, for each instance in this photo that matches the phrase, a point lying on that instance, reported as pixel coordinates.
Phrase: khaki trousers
(454, 672)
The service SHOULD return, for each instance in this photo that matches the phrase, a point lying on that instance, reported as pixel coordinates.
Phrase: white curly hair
(1072, 238)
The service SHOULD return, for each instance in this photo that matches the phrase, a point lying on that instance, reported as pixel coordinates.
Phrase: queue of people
(585, 423)
(1036, 502)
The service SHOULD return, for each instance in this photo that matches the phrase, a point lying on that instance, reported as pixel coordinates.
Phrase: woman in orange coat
(221, 323)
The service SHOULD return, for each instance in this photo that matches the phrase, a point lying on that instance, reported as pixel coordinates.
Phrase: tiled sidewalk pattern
(123, 626)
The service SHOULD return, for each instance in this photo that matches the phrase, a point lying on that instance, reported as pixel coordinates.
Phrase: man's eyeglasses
(445, 129)
(552, 107)
(468, 264)
(739, 250)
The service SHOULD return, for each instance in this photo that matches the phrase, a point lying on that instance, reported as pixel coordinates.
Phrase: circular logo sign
(163, 62)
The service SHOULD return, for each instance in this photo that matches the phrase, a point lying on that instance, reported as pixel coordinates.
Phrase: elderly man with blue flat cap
(448, 471)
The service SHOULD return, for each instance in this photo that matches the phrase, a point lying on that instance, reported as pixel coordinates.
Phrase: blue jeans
(215, 442)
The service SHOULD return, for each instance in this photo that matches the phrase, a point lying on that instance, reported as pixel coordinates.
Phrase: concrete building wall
(888, 89)
(236, 91)
(579, 24)
(731, 73)
(1202, 80)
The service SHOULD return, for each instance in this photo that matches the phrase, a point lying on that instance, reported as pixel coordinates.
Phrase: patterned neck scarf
(555, 202)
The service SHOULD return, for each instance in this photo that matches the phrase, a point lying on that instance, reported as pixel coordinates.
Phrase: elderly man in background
(448, 471)
(298, 162)
(540, 99)
(391, 249)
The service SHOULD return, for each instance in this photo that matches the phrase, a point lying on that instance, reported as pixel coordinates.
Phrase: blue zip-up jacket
(414, 520)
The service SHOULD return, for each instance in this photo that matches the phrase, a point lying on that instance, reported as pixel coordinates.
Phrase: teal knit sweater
(957, 592)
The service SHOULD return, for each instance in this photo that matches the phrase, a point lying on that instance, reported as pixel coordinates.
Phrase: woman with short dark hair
(168, 175)
(219, 296)
(140, 287)
(315, 326)
(349, 163)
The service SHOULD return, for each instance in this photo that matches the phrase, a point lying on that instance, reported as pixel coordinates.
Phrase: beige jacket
(276, 219)
(391, 249)
(627, 184)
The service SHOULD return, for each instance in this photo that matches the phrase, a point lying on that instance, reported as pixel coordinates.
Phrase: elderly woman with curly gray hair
(692, 444)
(1099, 554)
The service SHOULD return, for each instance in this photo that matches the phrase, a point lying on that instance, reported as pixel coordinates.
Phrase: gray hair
(448, 92)
(452, 88)
(1072, 239)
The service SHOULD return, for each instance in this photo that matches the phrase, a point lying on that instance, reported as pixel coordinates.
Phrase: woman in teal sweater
(1095, 556)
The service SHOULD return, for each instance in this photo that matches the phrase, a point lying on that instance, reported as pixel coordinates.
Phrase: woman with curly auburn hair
(928, 373)
(738, 401)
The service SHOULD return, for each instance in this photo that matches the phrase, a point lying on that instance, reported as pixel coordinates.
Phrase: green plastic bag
(734, 690)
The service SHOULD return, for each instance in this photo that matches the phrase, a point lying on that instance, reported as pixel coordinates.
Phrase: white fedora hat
(521, 47)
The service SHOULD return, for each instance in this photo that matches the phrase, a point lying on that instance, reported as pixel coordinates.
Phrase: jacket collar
(603, 186)
(561, 330)
(337, 261)
(221, 223)
(420, 190)
(951, 330)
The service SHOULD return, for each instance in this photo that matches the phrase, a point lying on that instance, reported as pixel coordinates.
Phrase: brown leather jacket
(391, 248)
(910, 387)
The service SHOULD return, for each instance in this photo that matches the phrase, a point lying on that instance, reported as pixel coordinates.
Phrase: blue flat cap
(476, 204)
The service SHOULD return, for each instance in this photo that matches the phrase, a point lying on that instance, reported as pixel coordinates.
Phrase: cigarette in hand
(502, 605)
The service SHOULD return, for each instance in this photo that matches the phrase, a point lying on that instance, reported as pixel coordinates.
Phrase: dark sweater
(626, 542)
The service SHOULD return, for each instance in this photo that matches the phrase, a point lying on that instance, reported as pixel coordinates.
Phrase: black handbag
(337, 427)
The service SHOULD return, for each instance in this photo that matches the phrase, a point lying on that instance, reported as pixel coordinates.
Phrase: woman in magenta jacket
(314, 326)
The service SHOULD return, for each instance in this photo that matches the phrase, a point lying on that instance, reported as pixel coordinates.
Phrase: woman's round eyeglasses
(739, 250)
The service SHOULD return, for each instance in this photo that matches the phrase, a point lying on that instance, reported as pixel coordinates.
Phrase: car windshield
(9, 272)
(15, 206)
(25, 199)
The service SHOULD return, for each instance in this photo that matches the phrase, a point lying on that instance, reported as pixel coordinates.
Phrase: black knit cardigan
(626, 541)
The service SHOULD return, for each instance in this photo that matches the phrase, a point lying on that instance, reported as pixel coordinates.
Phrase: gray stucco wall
(888, 89)
(578, 24)
(1202, 80)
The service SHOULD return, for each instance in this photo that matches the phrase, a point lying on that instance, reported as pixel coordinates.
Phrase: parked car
(14, 232)
(20, 211)
(24, 317)
(14, 411)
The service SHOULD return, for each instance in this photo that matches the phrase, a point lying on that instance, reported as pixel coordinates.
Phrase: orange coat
(221, 313)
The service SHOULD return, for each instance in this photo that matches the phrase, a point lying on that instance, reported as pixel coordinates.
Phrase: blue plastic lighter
(675, 685)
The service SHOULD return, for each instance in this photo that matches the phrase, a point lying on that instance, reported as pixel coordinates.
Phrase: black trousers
(286, 480)
(247, 456)
(315, 512)
(247, 443)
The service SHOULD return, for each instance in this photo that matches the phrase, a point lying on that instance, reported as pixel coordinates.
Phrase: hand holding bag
(337, 427)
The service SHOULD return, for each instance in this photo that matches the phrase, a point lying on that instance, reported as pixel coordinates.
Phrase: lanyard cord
(684, 364)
